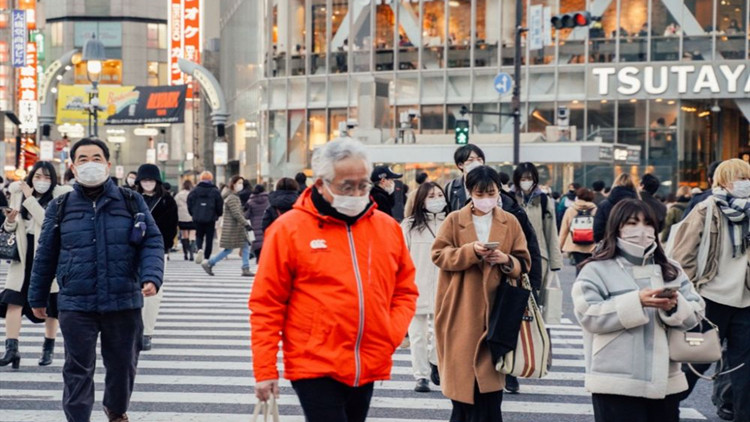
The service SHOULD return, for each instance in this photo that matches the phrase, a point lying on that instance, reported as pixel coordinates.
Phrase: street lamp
(93, 55)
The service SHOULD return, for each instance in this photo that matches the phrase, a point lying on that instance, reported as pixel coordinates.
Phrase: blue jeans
(226, 252)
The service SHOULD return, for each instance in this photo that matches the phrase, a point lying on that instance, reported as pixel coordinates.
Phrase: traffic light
(462, 132)
(571, 20)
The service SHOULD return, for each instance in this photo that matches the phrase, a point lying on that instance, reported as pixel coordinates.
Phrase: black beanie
(148, 171)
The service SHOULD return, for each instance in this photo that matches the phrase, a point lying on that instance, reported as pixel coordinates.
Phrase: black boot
(11, 353)
(185, 248)
(47, 351)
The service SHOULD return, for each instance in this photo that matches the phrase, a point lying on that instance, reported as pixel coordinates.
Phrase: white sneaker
(199, 257)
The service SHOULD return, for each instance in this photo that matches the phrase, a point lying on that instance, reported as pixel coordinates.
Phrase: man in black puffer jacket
(205, 206)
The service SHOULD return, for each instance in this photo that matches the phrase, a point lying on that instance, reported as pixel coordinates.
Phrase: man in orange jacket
(335, 284)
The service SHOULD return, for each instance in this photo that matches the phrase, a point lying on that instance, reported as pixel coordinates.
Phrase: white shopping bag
(266, 411)
(553, 299)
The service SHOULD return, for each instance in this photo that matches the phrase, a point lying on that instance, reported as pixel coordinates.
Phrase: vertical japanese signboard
(19, 38)
(185, 39)
(27, 91)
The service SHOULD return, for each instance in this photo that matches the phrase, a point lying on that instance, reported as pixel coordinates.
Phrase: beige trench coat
(466, 293)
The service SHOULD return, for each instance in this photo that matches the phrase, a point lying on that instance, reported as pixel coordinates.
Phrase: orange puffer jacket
(339, 297)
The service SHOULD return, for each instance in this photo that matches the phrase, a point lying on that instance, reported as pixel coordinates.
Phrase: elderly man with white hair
(336, 285)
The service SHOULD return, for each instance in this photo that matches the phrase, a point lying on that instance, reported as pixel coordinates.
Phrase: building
(667, 76)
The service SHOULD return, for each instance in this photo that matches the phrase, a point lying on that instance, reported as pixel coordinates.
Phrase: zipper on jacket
(360, 293)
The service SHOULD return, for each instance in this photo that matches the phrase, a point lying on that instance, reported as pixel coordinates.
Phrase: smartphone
(666, 293)
(491, 245)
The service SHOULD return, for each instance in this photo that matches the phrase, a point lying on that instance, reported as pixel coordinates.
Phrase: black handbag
(8, 246)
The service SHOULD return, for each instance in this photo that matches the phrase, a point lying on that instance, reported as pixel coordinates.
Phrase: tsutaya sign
(670, 81)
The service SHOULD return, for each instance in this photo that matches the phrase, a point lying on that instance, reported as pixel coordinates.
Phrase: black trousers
(579, 257)
(121, 334)
(327, 400)
(734, 326)
(207, 231)
(615, 408)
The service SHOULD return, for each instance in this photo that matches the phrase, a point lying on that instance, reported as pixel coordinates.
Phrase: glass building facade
(294, 70)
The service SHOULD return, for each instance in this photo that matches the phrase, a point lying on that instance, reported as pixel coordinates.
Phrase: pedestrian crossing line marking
(378, 402)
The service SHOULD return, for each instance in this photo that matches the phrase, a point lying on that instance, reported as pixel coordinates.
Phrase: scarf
(736, 210)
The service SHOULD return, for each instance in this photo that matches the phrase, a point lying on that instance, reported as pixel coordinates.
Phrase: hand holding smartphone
(666, 293)
(491, 245)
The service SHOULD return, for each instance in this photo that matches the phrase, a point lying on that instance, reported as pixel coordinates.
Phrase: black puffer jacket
(205, 203)
(618, 194)
(280, 201)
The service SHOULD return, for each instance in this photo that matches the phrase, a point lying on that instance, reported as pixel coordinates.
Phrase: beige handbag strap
(268, 410)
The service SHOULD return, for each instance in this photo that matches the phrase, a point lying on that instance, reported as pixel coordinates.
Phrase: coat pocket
(612, 353)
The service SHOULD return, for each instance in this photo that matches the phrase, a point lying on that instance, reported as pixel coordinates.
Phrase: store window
(317, 128)
(298, 48)
(318, 41)
(432, 119)
(362, 37)
(731, 21)
(635, 30)
(433, 35)
(297, 137)
(665, 34)
(632, 123)
(278, 45)
(459, 33)
(409, 36)
(699, 46)
(486, 123)
(152, 35)
(335, 117)
(540, 116)
(662, 139)
(601, 121)
(56, 34)
(486, 39)
(385, 21)
(339, 37)
(277, 139)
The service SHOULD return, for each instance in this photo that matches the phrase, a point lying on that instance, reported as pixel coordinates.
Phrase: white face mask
(92, 174)
(238, 187)
(643, 236)
(41, 186)
(740, 188)
(350, 206)
(485, 205)
(131, 181)
(148, 186)
(526, 185)
(435, 205)
(468, 167)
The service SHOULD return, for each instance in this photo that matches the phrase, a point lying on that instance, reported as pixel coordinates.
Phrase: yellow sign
(73, 100)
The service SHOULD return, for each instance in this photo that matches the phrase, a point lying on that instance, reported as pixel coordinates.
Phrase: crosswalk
(200, 368)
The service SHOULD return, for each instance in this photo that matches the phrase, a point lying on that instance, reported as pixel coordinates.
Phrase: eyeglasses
(349, 189)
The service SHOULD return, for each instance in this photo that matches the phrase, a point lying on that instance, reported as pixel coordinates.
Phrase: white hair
(325, 157)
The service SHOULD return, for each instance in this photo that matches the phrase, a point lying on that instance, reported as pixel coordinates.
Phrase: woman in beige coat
(579, 250)
(475, 249)
(25, 217)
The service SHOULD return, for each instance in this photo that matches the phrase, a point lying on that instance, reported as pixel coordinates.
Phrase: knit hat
(148, 171)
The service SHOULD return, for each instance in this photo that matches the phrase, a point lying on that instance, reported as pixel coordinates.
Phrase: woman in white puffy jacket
(420, 228)
(626, 298)
(28, 200)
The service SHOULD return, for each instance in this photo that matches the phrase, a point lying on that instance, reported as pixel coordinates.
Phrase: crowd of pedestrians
(356, 265)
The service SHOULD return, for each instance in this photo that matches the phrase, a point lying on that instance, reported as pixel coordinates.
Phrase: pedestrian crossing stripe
(200, 369)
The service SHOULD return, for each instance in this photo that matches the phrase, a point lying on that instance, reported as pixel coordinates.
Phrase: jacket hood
(205, 184)
(305, 203)
(581, 205)
(621, 192)
(283, 199)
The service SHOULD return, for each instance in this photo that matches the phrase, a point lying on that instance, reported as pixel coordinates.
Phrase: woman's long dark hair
(48, 170)
(418, 211)
(617, 218)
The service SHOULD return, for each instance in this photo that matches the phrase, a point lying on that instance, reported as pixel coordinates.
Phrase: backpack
(582, 228)
(204, 206)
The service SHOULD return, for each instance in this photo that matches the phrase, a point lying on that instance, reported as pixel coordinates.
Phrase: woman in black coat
(280, 201)
(164, 210)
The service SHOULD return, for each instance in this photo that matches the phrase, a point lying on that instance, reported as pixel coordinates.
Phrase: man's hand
(264, 389)
(26, 189)
(40, 313)
(149, 289)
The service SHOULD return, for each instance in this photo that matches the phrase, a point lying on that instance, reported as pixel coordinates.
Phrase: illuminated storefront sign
(722, 80)
(19, 38)
(27, 91)
(185, 39)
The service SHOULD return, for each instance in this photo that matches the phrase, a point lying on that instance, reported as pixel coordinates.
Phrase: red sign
(27, 91)
(185, 39)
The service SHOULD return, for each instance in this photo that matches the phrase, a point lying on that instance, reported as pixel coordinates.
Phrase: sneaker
(247, 273)
(207, 267)
(726, 413)
(111, 417)
(146, 345)
(511, 384)
(423, 386)
(199, 257)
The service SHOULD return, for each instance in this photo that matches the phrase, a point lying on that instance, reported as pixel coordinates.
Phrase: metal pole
(96, 110)
(90, 116)
(516, 101)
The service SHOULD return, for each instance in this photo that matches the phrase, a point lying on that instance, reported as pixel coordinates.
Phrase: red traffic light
(571, 20)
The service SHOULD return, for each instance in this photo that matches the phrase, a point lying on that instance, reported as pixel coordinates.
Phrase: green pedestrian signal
(462, 132)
